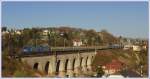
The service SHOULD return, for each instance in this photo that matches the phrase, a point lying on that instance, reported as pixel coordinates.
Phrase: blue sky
(129, 19)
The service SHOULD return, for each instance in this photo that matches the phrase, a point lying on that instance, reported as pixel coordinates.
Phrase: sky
(128, 19)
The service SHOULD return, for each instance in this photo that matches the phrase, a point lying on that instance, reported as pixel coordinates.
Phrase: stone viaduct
(62, 63)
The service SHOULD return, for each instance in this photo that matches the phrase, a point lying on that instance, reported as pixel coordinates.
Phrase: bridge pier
(40, 67)
(53, 65)
(89, 63)
(84, 65)
(61, 72)
(69, 69)
(77, 67)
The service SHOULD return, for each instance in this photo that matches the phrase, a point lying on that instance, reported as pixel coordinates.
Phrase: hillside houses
(134, 44)
(68, 36)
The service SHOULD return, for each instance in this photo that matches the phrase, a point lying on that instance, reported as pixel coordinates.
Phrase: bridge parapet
(77, 48)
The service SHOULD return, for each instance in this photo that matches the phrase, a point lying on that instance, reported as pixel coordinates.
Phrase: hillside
(128, 57)
(107, 37)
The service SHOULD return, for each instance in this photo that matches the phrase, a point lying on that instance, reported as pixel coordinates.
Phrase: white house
(137, 48)
(128, 46)
(144, 47)
(112, 67)
(18, 32)
(77, 42)
(45, 32)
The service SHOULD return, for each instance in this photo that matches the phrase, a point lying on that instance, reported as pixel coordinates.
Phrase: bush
(12, 67)
(19, 73)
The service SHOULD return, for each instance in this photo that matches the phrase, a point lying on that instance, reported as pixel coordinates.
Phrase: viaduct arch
(62, 65)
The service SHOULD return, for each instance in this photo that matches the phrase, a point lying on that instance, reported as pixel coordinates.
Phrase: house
(77, 42)
(18, 32)
(144, 47)
(137, 48)
(5, 32)
(44, 35)
(113, 67)
(128, 46)
(45, 32)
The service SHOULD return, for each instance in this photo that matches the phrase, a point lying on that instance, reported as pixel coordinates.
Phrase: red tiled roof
(114, 65)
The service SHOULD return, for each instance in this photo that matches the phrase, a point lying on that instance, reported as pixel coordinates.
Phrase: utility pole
(64, 42)
(62, 34)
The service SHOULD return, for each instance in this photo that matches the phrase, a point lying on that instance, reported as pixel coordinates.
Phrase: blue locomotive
(35, 49)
